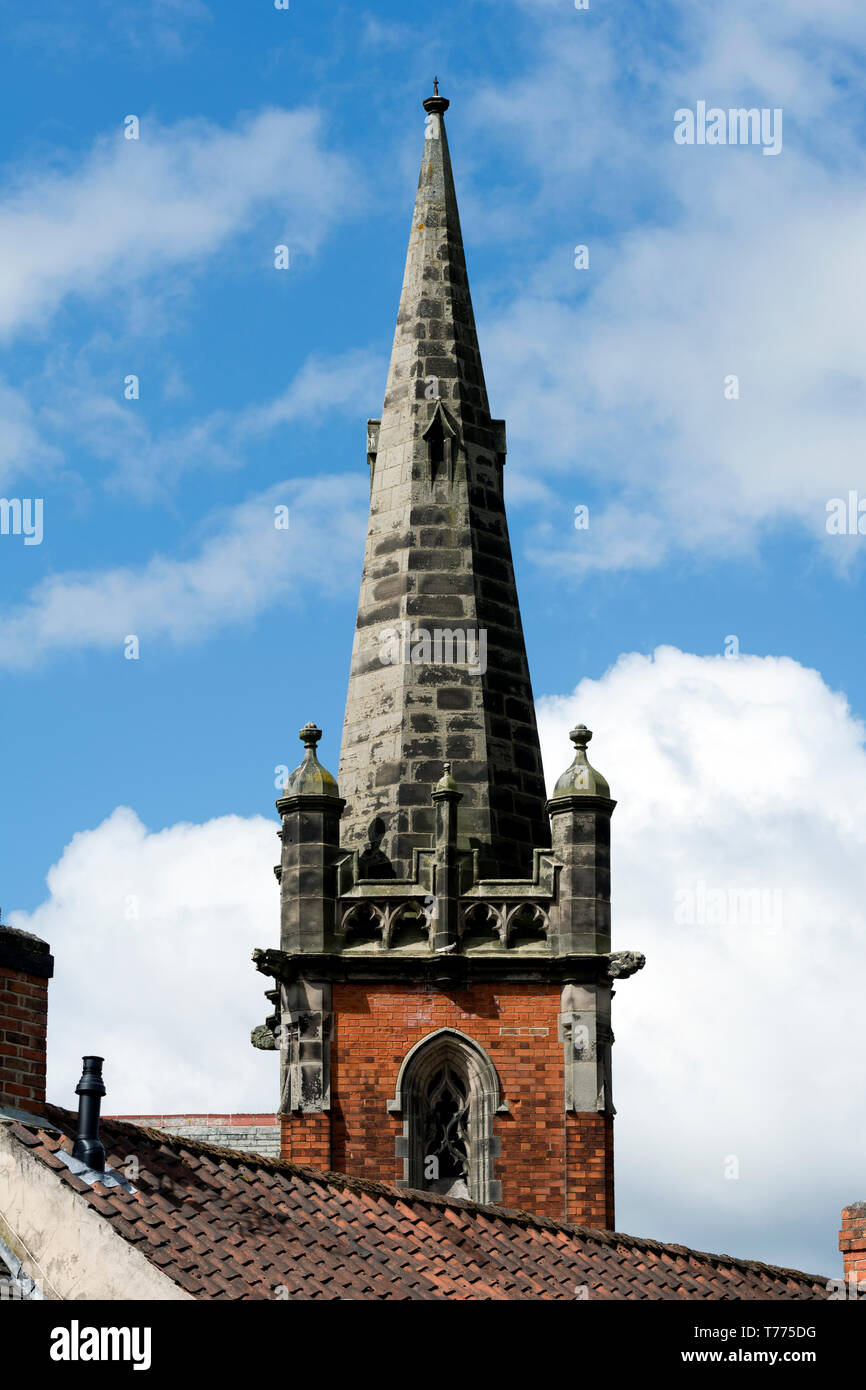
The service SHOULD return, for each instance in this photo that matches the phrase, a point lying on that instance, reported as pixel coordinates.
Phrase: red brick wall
(852, 1241)
(590, 1170)
(305, 1138)
(23, 1026)
(551, 1164)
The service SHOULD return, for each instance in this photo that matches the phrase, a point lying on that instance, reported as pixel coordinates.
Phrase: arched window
(448, 1092)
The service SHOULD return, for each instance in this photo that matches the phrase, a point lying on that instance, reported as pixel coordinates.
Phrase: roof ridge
(330, 1178)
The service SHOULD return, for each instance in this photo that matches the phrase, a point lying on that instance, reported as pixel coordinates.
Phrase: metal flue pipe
(90, 1090)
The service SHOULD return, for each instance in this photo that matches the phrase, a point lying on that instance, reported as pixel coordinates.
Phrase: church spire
(498, 904)
(435, 353)
(439, 667)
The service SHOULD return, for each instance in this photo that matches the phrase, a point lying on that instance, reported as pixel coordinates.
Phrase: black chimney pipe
(90, 1090)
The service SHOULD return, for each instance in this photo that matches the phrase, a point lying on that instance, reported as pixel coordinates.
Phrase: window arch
(448, 1092)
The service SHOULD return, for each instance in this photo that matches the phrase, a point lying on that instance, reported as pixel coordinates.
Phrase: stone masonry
(438, 558)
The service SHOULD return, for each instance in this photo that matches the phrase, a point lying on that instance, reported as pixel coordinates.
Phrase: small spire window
(439, 437)
(436, 447)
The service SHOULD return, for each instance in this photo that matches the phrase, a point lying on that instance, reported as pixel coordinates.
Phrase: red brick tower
(442, 988)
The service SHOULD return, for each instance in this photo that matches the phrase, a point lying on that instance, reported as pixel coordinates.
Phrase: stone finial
(310, 735)
(446, 782)
(310, 778)
(581, 779)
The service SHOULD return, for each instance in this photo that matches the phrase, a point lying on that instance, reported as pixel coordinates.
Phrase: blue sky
(195, 727)
(708, 516)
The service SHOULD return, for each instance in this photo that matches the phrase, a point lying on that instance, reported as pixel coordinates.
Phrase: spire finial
(436, 103)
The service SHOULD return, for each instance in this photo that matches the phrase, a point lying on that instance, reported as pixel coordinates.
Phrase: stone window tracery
(447, 1093)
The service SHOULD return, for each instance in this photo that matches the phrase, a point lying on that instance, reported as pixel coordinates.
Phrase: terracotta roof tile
(225, 1224)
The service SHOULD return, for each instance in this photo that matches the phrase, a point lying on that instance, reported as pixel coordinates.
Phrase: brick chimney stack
(852, 1243)
(26, 966)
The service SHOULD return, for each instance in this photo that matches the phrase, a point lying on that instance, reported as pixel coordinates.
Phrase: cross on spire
(435, 86)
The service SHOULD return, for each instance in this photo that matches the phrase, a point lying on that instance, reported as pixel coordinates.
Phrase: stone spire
(439, 669)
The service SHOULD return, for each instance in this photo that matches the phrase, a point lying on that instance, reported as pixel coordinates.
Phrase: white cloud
(149, 464)
(152, 30)
(703, 263)
(735, 1040)
(345, 382)
(739, 1038)
(634, 390)
(245, 564)
(379, 35)
(152, 935)
(21, 443)
(172, 198)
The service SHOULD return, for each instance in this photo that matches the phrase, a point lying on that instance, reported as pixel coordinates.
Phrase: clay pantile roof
(226, 1224)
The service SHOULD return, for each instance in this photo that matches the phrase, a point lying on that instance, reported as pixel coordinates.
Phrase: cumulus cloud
(739, 858)
(171, 198)
(634, 392)
(152, 934)
(739, 868)
(246, 563)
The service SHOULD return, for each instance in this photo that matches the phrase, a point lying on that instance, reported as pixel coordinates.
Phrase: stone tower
(441, 993)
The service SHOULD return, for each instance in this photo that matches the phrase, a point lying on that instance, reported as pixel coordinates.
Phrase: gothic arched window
(448, 1092)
